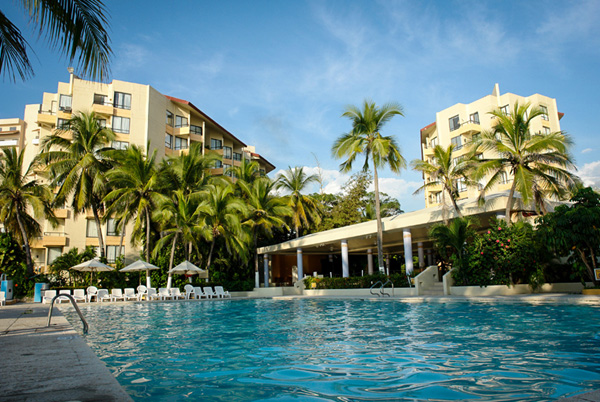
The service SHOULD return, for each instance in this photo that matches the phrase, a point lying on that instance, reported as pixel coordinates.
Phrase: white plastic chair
(152, 295)
(176, 294)
(189, 291)
(198, 292)
(63, 292)
(117, 294)
(48, 296)
(130, 294)
(102, 295)
(141, 292)
(208, 292)
(91, 292)
(164, 294)
(79, 295)
(2, 299)
(222, 293)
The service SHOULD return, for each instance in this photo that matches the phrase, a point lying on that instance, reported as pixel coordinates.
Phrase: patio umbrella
(141, 265)
(188, 268)
(93, 265)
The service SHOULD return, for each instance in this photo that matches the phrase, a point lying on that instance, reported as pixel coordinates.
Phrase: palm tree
(246, 172)
(19, 191)
(453, 237)
(365, 139)
(265, 211)
(78, 166)
(445, 172)
(76, 27)
(305, 209)
(539, 163)
(188, 172)
(135, 194)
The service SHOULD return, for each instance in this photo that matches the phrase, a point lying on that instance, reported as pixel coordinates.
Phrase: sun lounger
(164, 294)
(208, 292)
(117, 294)
(2, 299)
(222, 293)
(79, 295)
(103, 295)
(48, 296)
(141, 292)
(198, 292)
(152, 295)
(189, 291)
(130, 294)
(63, 292)
(91, 292)
(176, 294)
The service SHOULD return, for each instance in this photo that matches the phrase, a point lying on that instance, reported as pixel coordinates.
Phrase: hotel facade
(138, 114)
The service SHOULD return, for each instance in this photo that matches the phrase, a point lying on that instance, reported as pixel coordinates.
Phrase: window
(218, 164)
(122, 145)
(474, 118)
(169, 141)
(169, 119)
(180, 143)
(436, 198)
(504, 110)
(262, 172)
(181, 121)
(454, 123)
(456, 161)
(456, 141)
(65, 103)
(122, 100)
(102, 123)
(544, 110)
(53, 253)
(120, 124)
(227, 152)
(476, 137)
(226, 169)
(62, 124)
(196, 130)
(112, 228)
(91, 229)
(237, 156)
(112, 252)
(546, 130)
(461, 186)
(100, 99)
(434, 142)
(216, 144)
(504, 178)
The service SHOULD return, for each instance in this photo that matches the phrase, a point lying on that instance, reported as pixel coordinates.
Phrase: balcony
(427, 151)
(47, 119)
(61, 213)
(467, 128)
(184, 130)
(54, 239)
(102, 108)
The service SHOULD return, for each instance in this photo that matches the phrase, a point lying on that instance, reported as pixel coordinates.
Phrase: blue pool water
(347, 350)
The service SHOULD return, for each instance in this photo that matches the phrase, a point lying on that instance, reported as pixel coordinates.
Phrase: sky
(278, 74)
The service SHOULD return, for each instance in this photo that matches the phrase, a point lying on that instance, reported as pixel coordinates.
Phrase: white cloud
(590, 174)
(587, 150)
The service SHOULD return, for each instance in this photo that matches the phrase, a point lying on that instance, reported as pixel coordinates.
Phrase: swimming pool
(347, 350)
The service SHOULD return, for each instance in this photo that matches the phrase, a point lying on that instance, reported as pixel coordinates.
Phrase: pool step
(436, 289)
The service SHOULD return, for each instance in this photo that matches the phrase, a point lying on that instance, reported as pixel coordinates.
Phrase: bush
(12, 263)
(355, 282)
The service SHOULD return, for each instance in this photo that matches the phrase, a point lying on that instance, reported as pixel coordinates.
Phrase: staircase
(435, 289)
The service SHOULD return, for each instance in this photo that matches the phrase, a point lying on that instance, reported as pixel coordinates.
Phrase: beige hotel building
(139, 115)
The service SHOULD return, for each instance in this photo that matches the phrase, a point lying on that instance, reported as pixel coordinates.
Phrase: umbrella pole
(148, 284)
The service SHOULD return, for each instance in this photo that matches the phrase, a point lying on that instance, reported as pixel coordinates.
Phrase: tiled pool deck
(55, 364)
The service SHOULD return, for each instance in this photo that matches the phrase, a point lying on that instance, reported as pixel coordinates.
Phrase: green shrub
(355, 282)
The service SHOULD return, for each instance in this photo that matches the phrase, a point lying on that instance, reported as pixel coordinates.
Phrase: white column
(299, 264)
(429, 257)
(256, 279)
(370, 261)
(345, 264)
(408, 258)
(387, 264)
(266, 269)
(421, 254)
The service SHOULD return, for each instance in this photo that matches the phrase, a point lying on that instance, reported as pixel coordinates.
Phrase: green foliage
(12, 263)
(63, 275)
(355, 282)
(450, 240)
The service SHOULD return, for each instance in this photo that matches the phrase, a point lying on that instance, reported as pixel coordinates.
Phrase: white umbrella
(93, 265)
(141, 265)
(188, 268)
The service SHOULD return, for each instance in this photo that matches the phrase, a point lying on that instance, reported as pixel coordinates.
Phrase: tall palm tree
(188, 172)
(134, 192)
(78, 28)
(540, 163)
(445, 172)
(78, 166)
(19, 191)
(246, 172)
(305, 208)
(453, 237)
(365, 139)
(265, 211)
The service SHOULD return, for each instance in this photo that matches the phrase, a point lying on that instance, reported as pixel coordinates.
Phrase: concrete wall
(359, 292)
(501, 290)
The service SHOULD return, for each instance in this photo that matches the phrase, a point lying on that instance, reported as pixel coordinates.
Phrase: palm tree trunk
(454, 204)
(122, 239)
(212, 246)
(147, 211)
(378, 215)
(99, 228)
(296, 229)
(444, 211)
(28, 259)
(510, 202)
(255, 255)
(171, 260)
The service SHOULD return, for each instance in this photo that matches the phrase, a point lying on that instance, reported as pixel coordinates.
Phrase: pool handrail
(74, 303)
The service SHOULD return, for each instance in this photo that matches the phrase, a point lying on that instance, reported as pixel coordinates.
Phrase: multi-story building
(461, 124)
(138, 114)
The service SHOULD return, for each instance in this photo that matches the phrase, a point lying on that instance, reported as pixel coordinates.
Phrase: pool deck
(55, 364)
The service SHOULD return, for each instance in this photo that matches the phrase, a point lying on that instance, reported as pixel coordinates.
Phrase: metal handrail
(74, 303)
(382, 286)
(371, 288)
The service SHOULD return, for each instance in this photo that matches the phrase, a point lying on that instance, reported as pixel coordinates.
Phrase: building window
(544, 110)
(218, 164)
(474, 118)
(112, 228)
(237, 156)
(102, 123)
(454, 123)
(227, 169)
(546, 130)
(100, 99)
(434, 142)
(112, 252)
(461, 185)
(181, 121)
(62, 124)
(53, 254)
(456, 141)
(91, 229)
(476, 137)
(262, 172)
(196, 130)
(216, 144)
(122, 145)
(456, 161)
(120, 124)
(169, 119)
(65, 103)
(227, 152)
(436, 198)
(180, 143)
(504, 178)
(504, 110)
(169, 141)
(122, 100)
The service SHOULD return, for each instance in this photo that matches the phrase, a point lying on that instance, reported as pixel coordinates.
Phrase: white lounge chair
(222, 293)
(91, 292)
(130, 294)
(164, 294)
(79, 295)
(102, 295)
(63, 292)
(176, 294)
(208, 292)
(48, 296)
(141, 292)
(2, 299)
(198, 292)
(117, 294)
(152, 295)
(189, 291)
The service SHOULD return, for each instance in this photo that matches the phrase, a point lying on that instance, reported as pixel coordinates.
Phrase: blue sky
(278, 74)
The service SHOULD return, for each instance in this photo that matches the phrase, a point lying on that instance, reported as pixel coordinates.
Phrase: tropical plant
(20, 190)
(445, 172)
(61, 267)
(189, 172)
(12, 261)
(78, 28)
(78, 166)
(365, 139)
(539, 163)
(305, 209)
(450, 240)
(245, 173)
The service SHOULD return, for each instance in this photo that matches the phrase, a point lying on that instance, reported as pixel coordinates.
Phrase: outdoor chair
(222, 293)
(130, 294)
(79, 295)
(152, 295)
(117, 294)
(141, 292)
(189, 291)
(48, 296)
(63, 292)
(2, 299)
(176, 294)
(103, 295)
(164, 294)
(198, 292)
(91, 292)
(208, 292)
